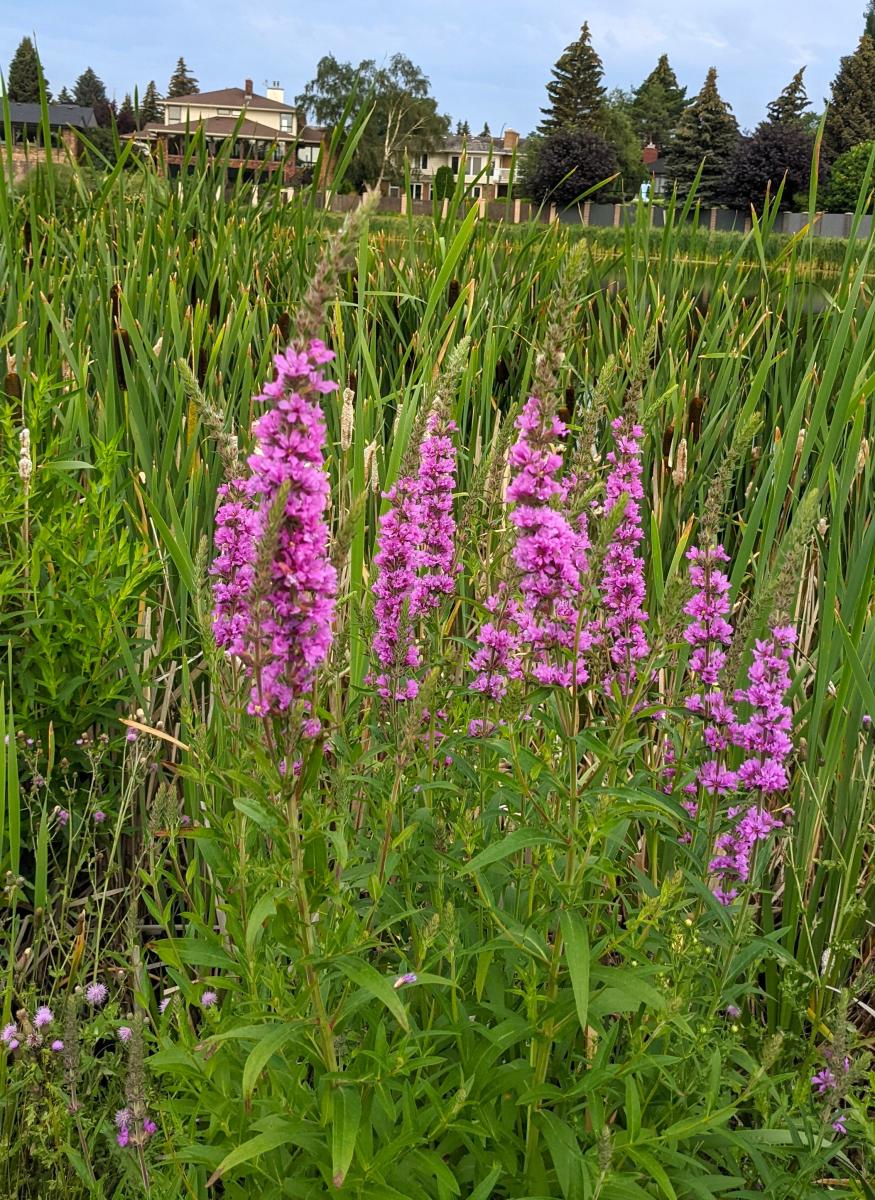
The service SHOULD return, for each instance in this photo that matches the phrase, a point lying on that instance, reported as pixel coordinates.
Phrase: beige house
(267, 131)
(489, 164)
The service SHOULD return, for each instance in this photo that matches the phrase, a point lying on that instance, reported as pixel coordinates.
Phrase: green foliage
(575, 94)
(182, 81)
(565, 165)
(89, 90)
(23, 80)
(403, 114)
(869, 17)
(707, 133)
(444, 183)
(851, 115)
(848, 174)
(779, 151)
(614, 124)
(151, 108)
(657, 105)
(790, 107)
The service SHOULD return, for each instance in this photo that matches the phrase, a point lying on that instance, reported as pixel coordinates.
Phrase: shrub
(846, 179)
(444, 183)
(565, 165)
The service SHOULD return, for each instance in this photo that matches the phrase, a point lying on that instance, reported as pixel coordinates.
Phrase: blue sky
(486, 59)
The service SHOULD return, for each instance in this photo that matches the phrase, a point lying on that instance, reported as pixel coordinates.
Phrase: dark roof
(74, 115)
(658, 167)
(230, 98)
(312, 133)
(223, 126)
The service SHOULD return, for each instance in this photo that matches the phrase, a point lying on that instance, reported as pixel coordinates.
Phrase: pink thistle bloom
(10, 1035)
(62, 816)
(290, 636)
(43, 1016)
(208, 999)
(57, 1045)
(131, 735)
(623, 588)
(99, 817)
(96, 994)
(125, 1033)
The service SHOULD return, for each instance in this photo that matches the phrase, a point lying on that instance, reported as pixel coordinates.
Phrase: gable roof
(73, 115)
(223, 126)
(478, 145)
(232, 97)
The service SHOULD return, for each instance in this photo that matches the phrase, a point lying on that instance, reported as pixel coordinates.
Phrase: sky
(487, 60)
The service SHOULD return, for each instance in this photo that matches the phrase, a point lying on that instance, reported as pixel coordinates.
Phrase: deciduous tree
(565, 164)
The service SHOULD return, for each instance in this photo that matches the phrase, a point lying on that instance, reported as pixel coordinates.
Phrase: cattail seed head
(679, 474)
(347, 419)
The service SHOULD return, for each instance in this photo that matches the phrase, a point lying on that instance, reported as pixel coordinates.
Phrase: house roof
(312, 133)
(659, 166)
(223, 126)
(478, 145)
(75, 115)
(233, 97)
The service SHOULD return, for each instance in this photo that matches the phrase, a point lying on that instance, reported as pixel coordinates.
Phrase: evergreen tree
(65, 97)
(89, 89)
(658, 104)
(869, 18)
(851, 116)
(576, 94)
(126, 121)
(614, 124)
(707, 131)
(789, 108)
(485, 132)
(182, 82)
(463, 129)
(151, 108)
(22, 84)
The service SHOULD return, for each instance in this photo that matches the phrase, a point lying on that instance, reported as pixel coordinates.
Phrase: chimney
(247, 89)
(649, 154)
(511, 139)
(275, 92)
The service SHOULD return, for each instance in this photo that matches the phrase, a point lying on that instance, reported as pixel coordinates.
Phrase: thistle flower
(57, 1045)
(11, 1036)
(99, 817)
(208, 999)
(43, 1016)
(96, 994)
(623, 588)
(125, 1033)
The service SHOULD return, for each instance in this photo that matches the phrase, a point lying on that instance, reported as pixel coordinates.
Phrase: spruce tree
(151, 109)
(485, 132)
(65, 97)
(22, 84)
(463, 129)
(576, 93)
(658, 104)
(851, 116)
(126, 121)
(182, 82)
(707, 131)
(89, 89)
(789, 108)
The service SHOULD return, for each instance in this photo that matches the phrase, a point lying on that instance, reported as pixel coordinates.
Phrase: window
(308, 154)
(475, 164)
(417, 191)
(286, 122)
(394, 189)
(454, 164)
(475, 191)
(423, 162)
(174, 114)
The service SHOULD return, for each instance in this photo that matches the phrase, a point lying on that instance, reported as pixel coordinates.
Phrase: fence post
(712, 224)
(617, 210)
(584, 220)
(445, 207)
(516, 212)
(404, 203)
(481, 208)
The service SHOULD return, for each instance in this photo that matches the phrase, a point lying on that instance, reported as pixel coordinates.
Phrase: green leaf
(271, 1042)
(483, 1190)
(345, 1118)
(262, 1143)
(576, 943)
(520, 839)
(370, 980)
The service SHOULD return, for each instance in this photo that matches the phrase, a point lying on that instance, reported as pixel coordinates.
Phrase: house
(26, 130)
(267, 132)
(491, 162)
(657, 168)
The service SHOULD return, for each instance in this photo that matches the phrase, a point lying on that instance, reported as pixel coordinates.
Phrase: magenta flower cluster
(125, 1122)
(623, 588)
(538, 635)
(415, 559)
(289, 636)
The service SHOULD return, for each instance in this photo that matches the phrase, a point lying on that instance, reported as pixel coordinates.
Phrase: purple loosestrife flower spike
(397, 561)
(765, 736)
(623, 588)
(96, 994)
(288, 632)
(437, 531)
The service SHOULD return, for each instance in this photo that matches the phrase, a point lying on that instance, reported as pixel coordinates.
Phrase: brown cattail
(679, 474)
(115, 302)
(694, 417)
(12, 386)
(121, 348)
(215, 302)
(452, 292)
(502, 374)
(284, 325)
(667, 441)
